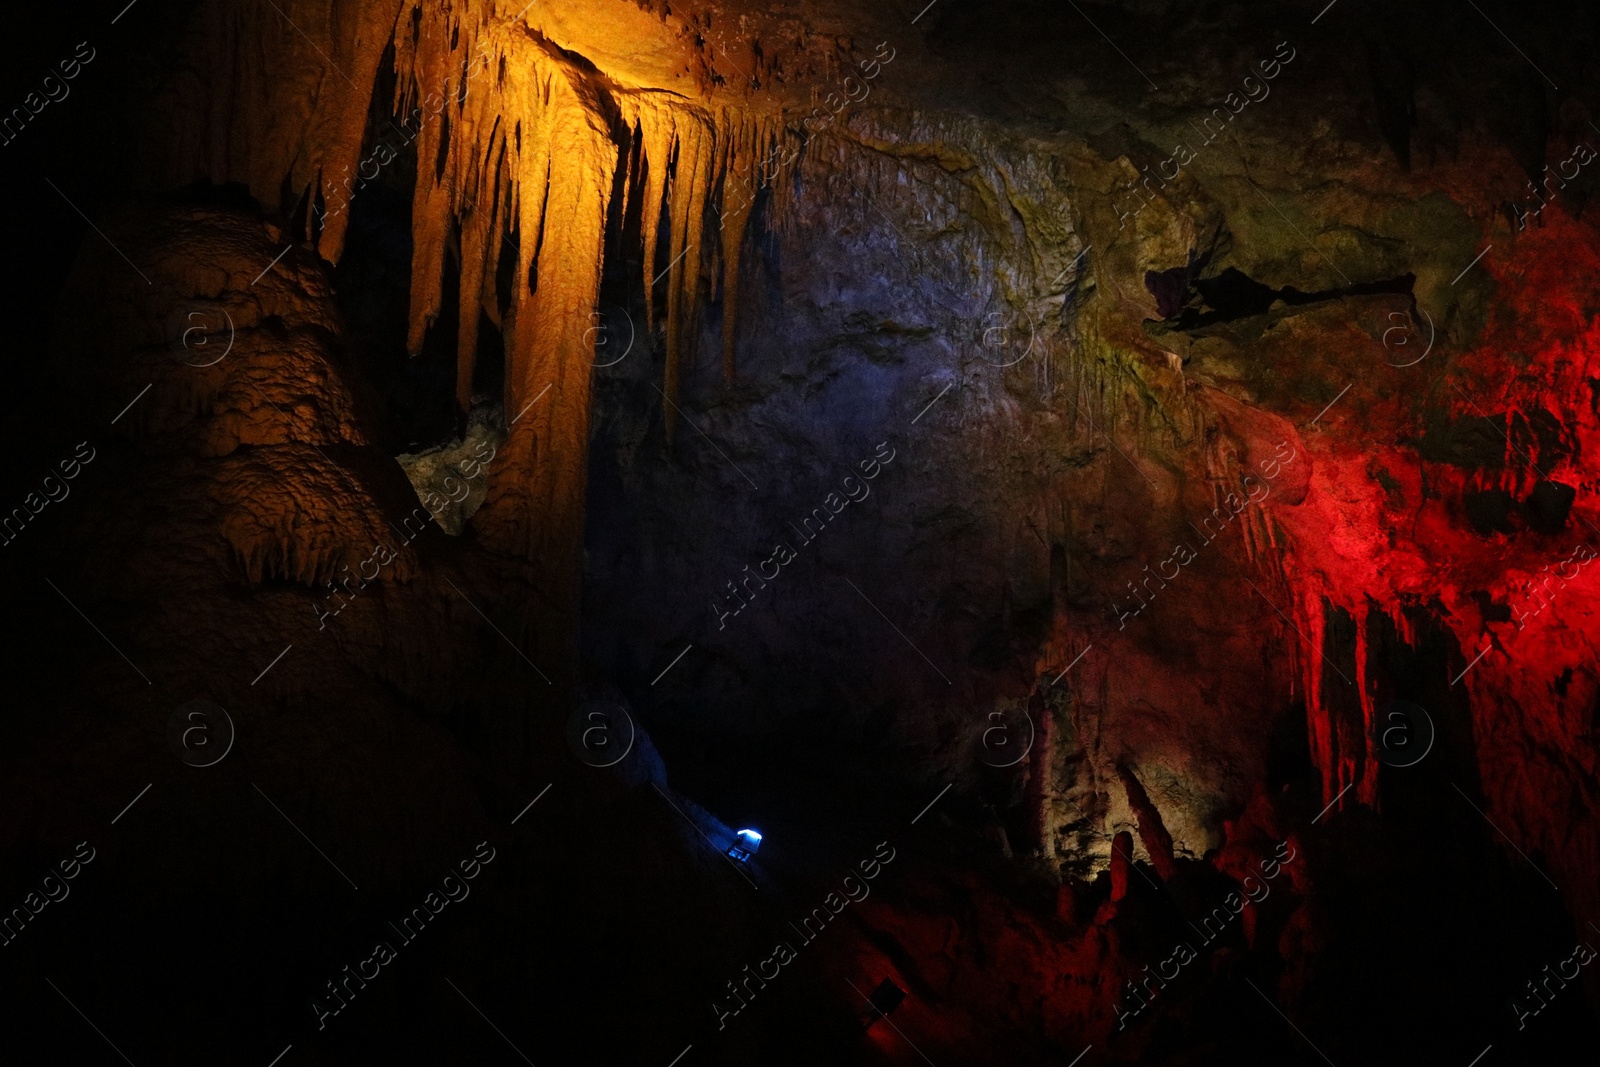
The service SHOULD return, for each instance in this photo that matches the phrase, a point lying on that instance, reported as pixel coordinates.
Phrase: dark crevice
(1234, 295)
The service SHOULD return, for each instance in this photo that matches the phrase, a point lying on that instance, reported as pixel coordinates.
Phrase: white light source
(746, 844)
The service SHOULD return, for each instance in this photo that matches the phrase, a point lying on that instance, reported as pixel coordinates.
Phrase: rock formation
(1129, 459)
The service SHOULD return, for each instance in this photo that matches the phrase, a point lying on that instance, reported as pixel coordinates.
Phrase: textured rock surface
(942, 404)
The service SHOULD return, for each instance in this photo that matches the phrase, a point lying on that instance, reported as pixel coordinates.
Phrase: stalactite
(1366, 774)
(500, 189)
(1319, 727)
(738, 185)
(655, 133)
(521, 130)
(476, 169)
(474, 266)
(517, 138)
(432, 79)
(691, 185)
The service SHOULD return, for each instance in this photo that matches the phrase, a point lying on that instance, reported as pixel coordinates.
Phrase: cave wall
(990, 236)
(983, 283)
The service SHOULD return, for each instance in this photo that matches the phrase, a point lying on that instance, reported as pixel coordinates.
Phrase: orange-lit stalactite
(522, 116)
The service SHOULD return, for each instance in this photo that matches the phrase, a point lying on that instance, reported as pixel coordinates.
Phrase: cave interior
(707, 533)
